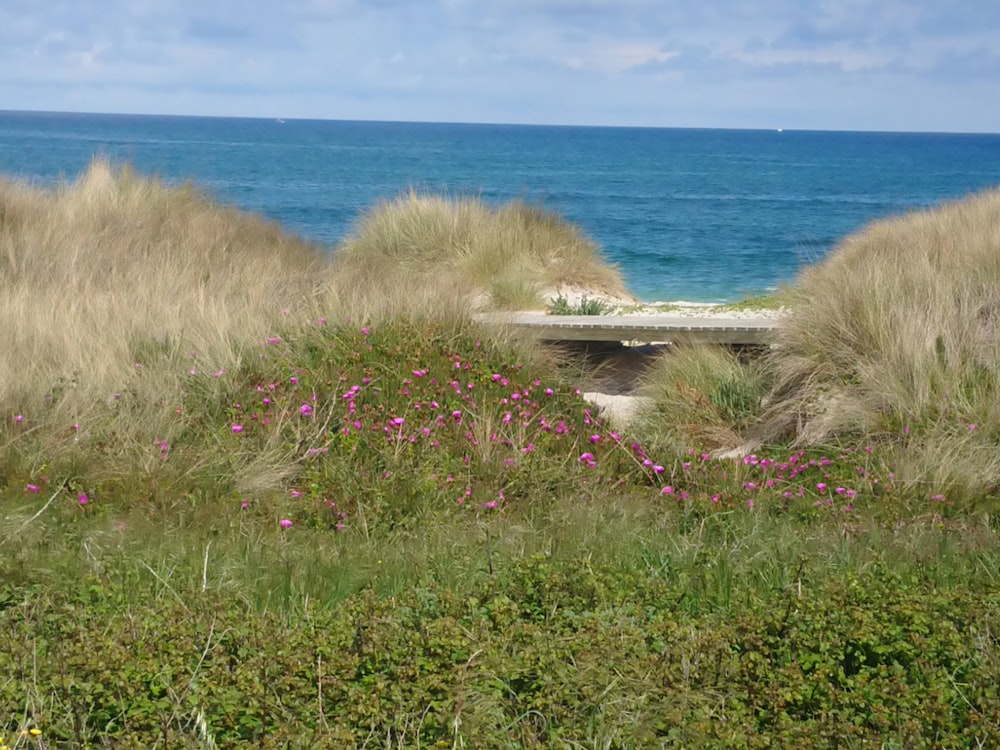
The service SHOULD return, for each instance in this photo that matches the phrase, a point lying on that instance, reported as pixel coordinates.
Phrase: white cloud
(692, 62)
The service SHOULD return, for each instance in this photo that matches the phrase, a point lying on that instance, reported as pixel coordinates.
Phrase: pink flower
(821, 487)
(584, 457)
(595, 439)
(83, 499)
(31, 487)
(305, 410)
(667, 491)
(237, 428)
(19, 418)
(286, 523)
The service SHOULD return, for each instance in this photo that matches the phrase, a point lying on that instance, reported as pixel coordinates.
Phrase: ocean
(687, 214)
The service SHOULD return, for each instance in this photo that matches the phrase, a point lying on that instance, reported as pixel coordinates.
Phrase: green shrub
(586, 306)
(536, 663)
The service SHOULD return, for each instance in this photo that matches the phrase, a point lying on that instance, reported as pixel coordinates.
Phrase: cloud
(701, 62)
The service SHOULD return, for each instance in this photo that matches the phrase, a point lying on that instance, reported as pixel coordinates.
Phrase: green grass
(354, 526)
(586, 306)
(705, 396)
(773, 301)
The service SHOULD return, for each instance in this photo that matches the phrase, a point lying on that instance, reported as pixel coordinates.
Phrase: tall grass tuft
(702, 396)
(438, 250)
(107, 276)
(896, 336)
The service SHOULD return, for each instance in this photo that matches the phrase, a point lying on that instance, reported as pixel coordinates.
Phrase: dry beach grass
(99, 274)
(896, 337)
(505, 257)
(892, 340)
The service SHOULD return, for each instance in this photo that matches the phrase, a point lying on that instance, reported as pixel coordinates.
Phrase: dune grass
(109, 281)
(114, 283)
(367, 523)
(704, 396)
(895, 338)
(463, 249)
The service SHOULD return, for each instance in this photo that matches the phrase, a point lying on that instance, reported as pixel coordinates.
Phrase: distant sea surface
(700, 215)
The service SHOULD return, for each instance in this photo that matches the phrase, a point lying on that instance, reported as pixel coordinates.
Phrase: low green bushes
(549, 656)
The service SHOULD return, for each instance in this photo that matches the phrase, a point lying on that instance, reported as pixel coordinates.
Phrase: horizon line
(285, 119)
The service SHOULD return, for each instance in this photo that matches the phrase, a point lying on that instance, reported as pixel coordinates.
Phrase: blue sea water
(703, 215)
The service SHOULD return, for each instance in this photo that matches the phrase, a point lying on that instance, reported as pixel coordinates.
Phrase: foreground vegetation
(270, 508)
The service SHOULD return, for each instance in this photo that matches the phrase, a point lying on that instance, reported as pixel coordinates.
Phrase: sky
(905, 65)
